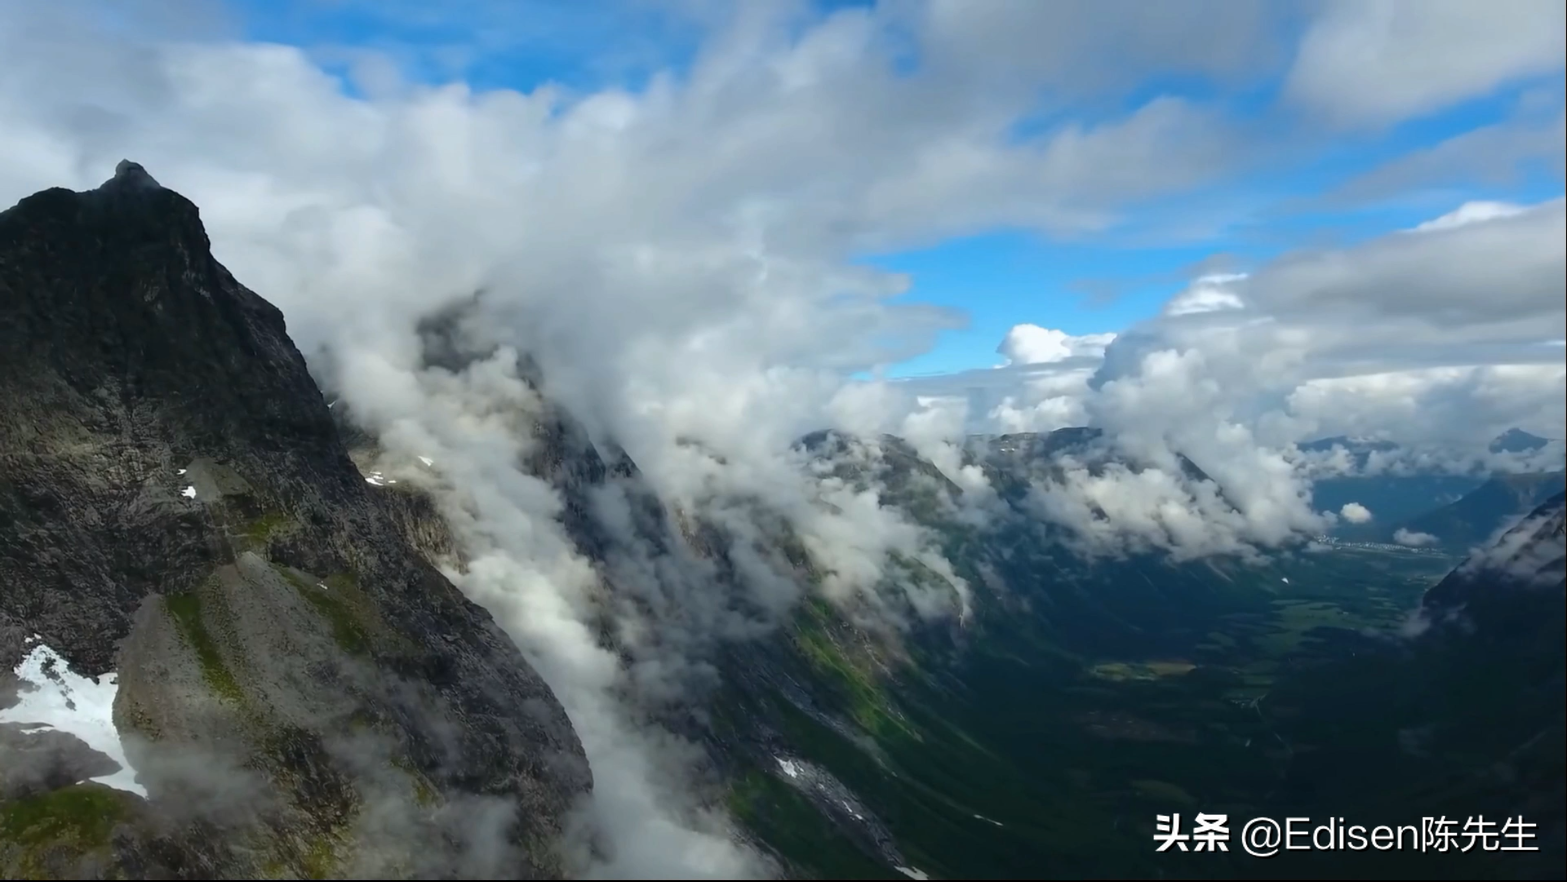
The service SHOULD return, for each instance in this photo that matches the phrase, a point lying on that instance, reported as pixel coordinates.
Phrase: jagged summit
(115, 292)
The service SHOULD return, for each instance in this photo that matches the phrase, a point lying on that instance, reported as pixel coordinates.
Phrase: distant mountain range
(1429, 497)
(1479, 514)
(1517, 441)
(1513, 440)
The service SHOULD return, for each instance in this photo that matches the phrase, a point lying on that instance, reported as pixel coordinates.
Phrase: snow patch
(989, 820)
(66, 701)
(189, 492)
(911, 872)
(427, 461)
(181, 471)
(377, 479)
(1285, 581)
(789, 768)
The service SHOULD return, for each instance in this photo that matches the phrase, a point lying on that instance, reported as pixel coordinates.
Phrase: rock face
(187, 551)
(1510, 593)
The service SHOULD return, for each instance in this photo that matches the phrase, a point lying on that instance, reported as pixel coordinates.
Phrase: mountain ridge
(1478, 515)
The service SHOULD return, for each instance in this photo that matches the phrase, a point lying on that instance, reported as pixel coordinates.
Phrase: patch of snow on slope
(61, 699)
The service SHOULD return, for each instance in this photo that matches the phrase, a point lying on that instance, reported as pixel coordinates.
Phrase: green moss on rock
(186, 610)
(342, 604)
(321, 859)
(351, 637)
(824, 644)
(261, 529)
(42, 835)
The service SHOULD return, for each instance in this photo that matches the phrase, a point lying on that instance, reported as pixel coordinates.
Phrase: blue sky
(1280, 198)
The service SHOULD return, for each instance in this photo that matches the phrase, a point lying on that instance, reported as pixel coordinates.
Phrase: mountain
(221, 654)
(1081, 697)
(1390, 497)
(1517, 441)
(1360, 450)
(1479, 514)
(1465, 717)
(1016, 691)
(1491, 598)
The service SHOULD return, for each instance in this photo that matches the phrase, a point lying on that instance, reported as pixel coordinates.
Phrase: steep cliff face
(243, 662)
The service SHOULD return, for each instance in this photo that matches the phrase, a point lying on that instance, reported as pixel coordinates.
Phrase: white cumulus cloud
(1413, 538)
(1355, 513)
(1032, 344)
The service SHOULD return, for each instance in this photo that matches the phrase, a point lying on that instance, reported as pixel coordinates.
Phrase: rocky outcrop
(293, 689)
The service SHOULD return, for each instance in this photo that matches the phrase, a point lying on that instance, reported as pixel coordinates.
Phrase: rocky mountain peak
(127, 352)
(213, 630)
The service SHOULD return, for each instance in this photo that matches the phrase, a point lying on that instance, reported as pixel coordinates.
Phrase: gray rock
(33, 762)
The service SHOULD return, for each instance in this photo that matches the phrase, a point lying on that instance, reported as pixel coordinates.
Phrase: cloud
(1471, 213)
(1088, 48)
(1364, 340)
(1496, 154)
(1389, 335)
(1355, 513)
(1413, 538)
(1427, 459)
(1433, 273)
(1207, 294)
(1531, 550)
(1374, 62)
(1031, 344)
